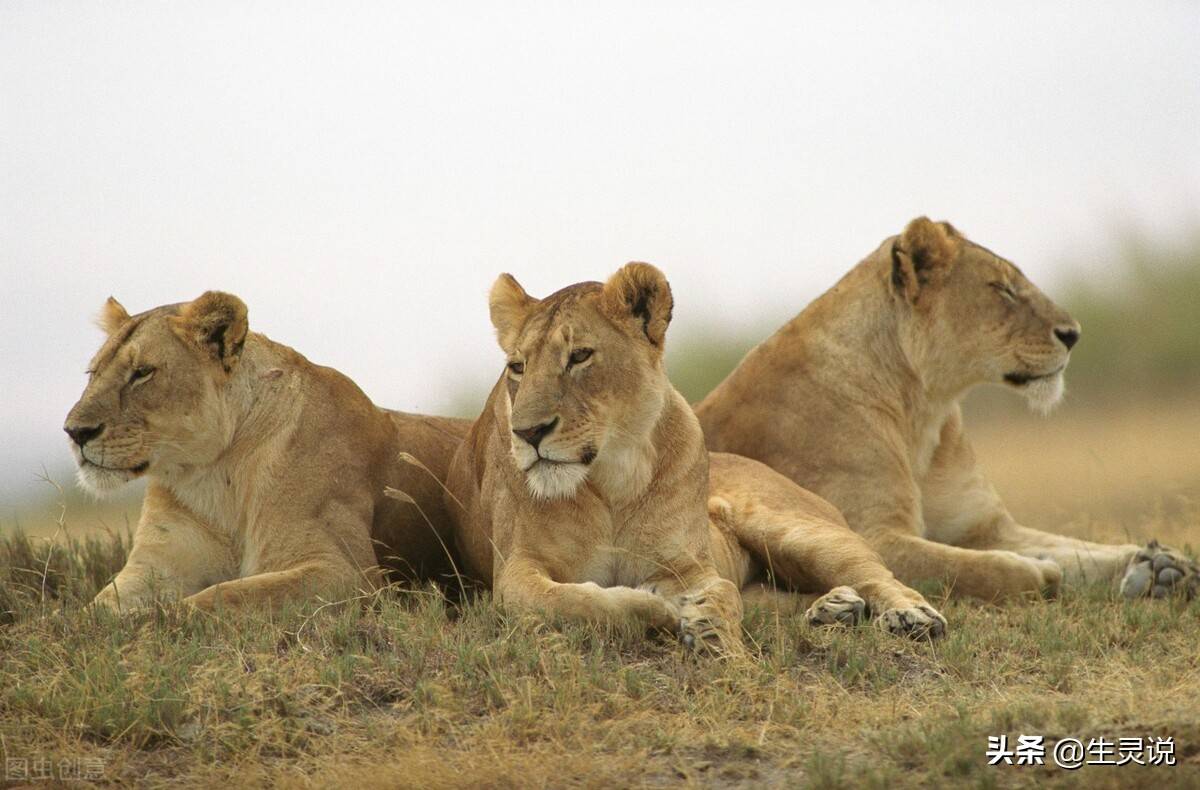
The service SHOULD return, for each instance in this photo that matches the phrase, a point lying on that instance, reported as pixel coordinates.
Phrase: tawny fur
(857, 398)
(638, 532)
(266, 472)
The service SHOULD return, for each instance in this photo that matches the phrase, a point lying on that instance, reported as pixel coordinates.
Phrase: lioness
(858, 399)
(266, 472)
(583, 491)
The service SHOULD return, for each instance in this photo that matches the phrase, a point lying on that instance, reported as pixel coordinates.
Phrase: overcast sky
(360, 172)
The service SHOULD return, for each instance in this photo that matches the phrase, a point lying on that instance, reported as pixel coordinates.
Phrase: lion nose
(83, 435)
(1069, 335)
(535, 434)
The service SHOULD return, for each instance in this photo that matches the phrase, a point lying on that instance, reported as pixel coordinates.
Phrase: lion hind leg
(808, 552)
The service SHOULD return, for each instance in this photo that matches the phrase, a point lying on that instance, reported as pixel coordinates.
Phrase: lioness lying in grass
(584, 491)
(266, 472)
(858, 398)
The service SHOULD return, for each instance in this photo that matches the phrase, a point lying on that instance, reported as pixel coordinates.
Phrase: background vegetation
(1142, 330)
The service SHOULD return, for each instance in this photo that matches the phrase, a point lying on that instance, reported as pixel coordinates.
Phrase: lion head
(154, 392)
(978, 318)
(585, 377)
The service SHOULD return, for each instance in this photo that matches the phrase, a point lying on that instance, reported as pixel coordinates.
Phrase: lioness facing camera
(583, 491)
(858, 399)
(265, 472)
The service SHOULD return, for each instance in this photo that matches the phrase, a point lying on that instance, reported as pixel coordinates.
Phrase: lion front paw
(839, 606)
(1159, 571)
(121, 603)
(701, 630)
(915, 622)
(1051, 576)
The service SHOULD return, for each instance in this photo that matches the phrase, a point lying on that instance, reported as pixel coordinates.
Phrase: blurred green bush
(698, 362)
(1141, 325)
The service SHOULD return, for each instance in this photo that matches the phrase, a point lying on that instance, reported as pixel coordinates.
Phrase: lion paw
(839, 606)
(702, 635)
(1158, 571)
(915, 622)
(702, 631)
(1051, 576)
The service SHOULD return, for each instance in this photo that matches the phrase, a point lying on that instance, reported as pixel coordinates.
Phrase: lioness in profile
(858, 399)
(266, 472)
(584, 491)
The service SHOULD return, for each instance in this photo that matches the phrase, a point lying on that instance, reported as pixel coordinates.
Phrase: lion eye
(516, 368)
(1005, 290)
(141, 373)
(579, 356)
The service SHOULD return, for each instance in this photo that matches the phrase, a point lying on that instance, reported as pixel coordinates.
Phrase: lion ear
(112, 316)
(922, 254)
(640, 293)
(217, 323)
(509, 306)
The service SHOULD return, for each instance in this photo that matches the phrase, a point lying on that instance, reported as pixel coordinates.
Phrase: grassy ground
(405, 690)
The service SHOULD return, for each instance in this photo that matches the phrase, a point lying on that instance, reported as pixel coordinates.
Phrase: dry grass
(404, 690)
(1124, 472)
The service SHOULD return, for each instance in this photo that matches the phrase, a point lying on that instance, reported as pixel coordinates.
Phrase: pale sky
(359, 173)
